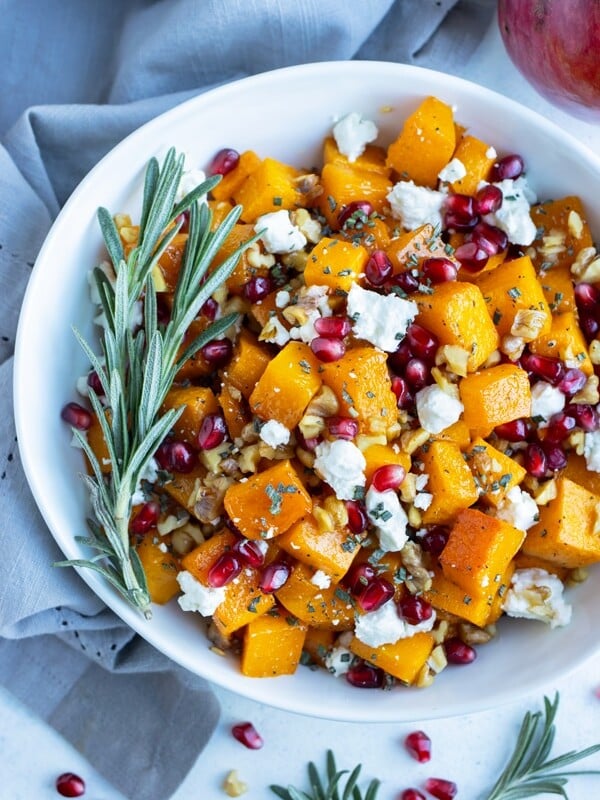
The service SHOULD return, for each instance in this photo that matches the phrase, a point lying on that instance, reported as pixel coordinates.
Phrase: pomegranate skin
(554, 44)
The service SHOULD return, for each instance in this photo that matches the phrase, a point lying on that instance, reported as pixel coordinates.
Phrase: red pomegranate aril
(457, 652)
(441, 788)
(70, 785)
(511, 166)
(218, 352)
(333, 327)
(405, 281)
(94, 382)
(551, 369)
(534, 461)
(412, 794)
(257, 288)
(455, 222)
(390, 476)
(77, 416)
(462, 205)
(250, 552)
(364, 676)
(589, 325)
(378, 268)
(556, 458)
(359, 576)
(418, 745)
(517, 430)
(146, 518)
(417, 373)
(488, 238)
(488, 199)
(182, 457)
(414, 609)
(587, 297)
(471, 256)
(183, 220)
(439, 270)
(434, 540)
(274, 576)
(421, 342)
(400, 388)
(375, 594)
(247, 734)
(400, 357)
(163, 311)
(357, 516)
(212, 432)
(224, 161)
(572, 381)
(209, 309)
(359, 209)
(224, 570)
(585, 415)
(327, 349)
(559, 427)
(342, 427)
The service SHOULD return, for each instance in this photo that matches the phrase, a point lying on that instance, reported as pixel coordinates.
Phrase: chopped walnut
(553, 244)
(577, 575)
(412, 440)
(249, 433)
(455, 357)
(419, 579)
(546, 492)
(586, 267)
(311, 426)
(589, 393)
(512, 346)
(295, 315)
(295, 260)
(310, 227)
(325, 521)
(594, 351)
(305, 457)
(216, 637)
(209, 499)
(425, 677)
(233, 786)
(445, 384)
(471, 634)
(364, 441)
(309, 187)
(528, 324)
(575, 224)
(249, 458)
(337, 510)
(492, 360)
(324, 403)
(437, 661)
(257, 259)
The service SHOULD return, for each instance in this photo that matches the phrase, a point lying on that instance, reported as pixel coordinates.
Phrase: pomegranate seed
(534, 460)
(218, 352)
(146, 518)
(441, 789)
(212, 432)
(414, 609)
(183, 220)
(417, 373)
(77, 416)
(556, 458)
(224, 570)
(378, 268)
(358, 211)
(488, 199)
(589, 325)
(572, 381)
(387, 477)
(209, 309)
(364, 676)
(327, 349)
(439, 270)
(405, 281)
(551, 369)
(257, 288)
(460, 205)
(418, 745)
(457, 652)
(412, 794)
(250, 552)
(375, 594)
(488, 238)
(435, 540)
(359, 576)
(559, 427)
(247, 734)
(93, 381)
(224, 161)
(274, 576)
(403, 396)
(163, 311)
(400, 357)
(587, 297)
(585, 415)
(342, 427)
(176, 457)
(357, 516)
(471, 256)
(70, 785)
(510, 166)
(333, 327)
(422, 343)
(517, 430)
(455, 222)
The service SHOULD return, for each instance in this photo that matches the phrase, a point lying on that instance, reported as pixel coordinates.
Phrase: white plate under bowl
(284, 114)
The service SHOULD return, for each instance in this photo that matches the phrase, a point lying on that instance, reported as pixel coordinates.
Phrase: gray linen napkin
(77, 76)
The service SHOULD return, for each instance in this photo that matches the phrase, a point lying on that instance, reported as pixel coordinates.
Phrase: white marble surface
(470, 750)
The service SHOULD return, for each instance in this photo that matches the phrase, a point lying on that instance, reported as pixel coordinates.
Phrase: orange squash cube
(403, 659)
(331, 551)
(329, 609)
(565, 341)
(199, 561)
(408, 249)
(234, 410)
(97, 442)
(563, 231)
(371, 160)
(317, 644)
(477, 158)
(272, 646)
(335, 263)
(166, 272)
(271, 186)
(444, 595)
(577, 471)
(160, 569)
(380, 455)
(183, 487)
(230, 183)
(244, 270)
(494, 396)
(243, 603)
(495, 473)
(198, 402)
(342, 184)
(247, 364)
(450, 482)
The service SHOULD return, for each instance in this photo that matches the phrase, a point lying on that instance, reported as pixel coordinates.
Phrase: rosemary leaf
(111, 237)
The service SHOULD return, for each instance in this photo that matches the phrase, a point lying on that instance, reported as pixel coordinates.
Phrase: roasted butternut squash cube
(183, 487)
(331, 551)
(562, 231)
(371, 160)
(272, 646)
(524, 561)
(229, 184)
(495, 473)
(478, 551)
(160, 569)
(335, 263)
(403, 659)
(247, 364)
(565, 341)
(494, 396)
(244, 602)
(477, 158)
(197, 402)
(444, 595)
(244, 269)
(577, 471)
(458, 433)
(380, 455)
(425, 144)
(317, 644)
(568, 532)
(234, 410)
(219, 210)
(512, 287)
(407, 250)
(557, 285)
(97, 442)
(456, 313)
(450, 482)
(271, 186)
(269, 502)
(329, 609)
(196, 366)
(287, 385)
(199, 560)
(342, 184)
(166, 272)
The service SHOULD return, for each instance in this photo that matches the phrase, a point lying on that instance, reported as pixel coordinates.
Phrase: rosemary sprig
(330, 788)
(138, 364)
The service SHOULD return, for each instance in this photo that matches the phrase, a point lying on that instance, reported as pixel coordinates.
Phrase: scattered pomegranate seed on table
(441, 789)
(418, 745)
(246, 733)
(70, 785)
(412, 794)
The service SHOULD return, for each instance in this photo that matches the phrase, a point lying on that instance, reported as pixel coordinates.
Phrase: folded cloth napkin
(76, 78)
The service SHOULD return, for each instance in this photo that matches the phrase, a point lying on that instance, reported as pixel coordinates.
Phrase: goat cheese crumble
(386, 626)
(519, 509)
(321, 579)
(546, 400)
(416, 205)
(536, 594)
(388, 517)
(513, 216)
(591, 450)
(380, 319)
(453, 171)
(352, 133)
(274, 433)
(341, 465)
(437, 409)
(278, 234)
(197, 597)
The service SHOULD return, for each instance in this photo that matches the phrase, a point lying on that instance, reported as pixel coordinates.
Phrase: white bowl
(284, 114)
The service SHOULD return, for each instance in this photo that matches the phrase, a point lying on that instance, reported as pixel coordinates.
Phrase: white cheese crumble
(275, 332)
(149, 474)
(519, 509)
(282, 298)
(536, 594)
(341, 465)
(546, 400)
(274, 433)
(190, 179)
(591, 450)
(416, 205)
(321, 579)
(453, 171)
(437, 409)
(315, 304)
(491, 152)
(388, 517)
(338, 661)
(352, 133)
(197, 597)
(279, 235)
(423, 500)
(386, 626)
(513, 216)
(380, 319)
